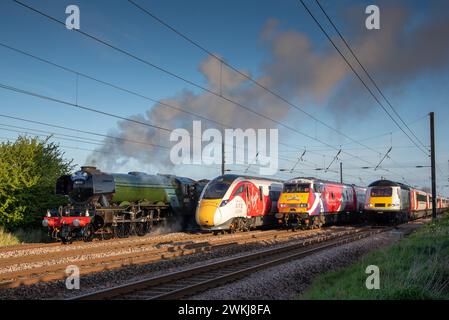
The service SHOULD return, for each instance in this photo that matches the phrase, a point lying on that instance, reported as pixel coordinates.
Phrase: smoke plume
(302, 70)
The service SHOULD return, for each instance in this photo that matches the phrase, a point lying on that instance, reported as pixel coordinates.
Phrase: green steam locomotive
(115, 204)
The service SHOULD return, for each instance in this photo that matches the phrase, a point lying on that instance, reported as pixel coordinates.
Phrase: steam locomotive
(114, 204)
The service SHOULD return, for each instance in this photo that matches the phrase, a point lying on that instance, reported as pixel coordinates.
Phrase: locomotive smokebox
(82, 186)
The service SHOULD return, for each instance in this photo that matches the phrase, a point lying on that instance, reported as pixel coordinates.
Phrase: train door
(254, 204)
(334, 199)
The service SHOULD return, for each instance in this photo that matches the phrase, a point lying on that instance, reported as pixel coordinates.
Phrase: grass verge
(21, 236)
(415, 268)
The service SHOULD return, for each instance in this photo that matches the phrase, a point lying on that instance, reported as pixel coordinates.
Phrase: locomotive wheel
(88, 233)
(122, 230)
(142, 228)
(66, 240)
(108, 235)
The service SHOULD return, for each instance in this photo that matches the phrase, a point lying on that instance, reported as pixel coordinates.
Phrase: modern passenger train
(237, 203)
(389, 201)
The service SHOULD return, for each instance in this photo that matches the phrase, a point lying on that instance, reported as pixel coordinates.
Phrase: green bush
(29, 168)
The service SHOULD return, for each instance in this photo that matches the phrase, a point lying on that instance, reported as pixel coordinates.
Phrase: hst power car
(389, 201)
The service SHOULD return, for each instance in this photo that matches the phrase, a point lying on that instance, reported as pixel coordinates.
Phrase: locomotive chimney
(89, 169)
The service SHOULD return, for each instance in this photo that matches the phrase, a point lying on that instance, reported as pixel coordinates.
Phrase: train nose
(206, 212)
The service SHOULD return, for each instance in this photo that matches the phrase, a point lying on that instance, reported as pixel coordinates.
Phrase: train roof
(388, 183)
(323, 181)
(232, 177)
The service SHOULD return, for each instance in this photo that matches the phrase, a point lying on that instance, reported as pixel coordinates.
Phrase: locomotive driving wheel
(142, 228)
(121, 230)
(88, 232)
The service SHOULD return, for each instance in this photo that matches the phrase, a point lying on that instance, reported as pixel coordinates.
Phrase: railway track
(184, 283)
(50, 266)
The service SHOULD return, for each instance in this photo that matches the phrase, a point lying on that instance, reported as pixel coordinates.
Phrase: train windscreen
(216, 189)
(296, 188)
(381, 192)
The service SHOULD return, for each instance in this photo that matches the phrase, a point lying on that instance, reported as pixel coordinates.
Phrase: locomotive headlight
(303, 205)
(48, 213)
(76, 223)
(45, 223)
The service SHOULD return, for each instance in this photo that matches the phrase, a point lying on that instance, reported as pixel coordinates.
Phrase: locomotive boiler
(117, 204)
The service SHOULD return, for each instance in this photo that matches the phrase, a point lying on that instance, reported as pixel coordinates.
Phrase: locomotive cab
(296, 201)
(237, 203)
(295, 197)
(212, 198)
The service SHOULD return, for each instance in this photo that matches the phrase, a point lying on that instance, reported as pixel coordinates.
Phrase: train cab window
(296, 188)
(261, 193)
(239, 190)
(216, 189)
(381, 192)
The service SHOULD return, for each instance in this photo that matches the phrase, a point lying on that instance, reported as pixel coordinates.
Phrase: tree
(29, 168)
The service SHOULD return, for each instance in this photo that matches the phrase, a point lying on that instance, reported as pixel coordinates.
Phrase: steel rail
(156, 253)
(183, 283)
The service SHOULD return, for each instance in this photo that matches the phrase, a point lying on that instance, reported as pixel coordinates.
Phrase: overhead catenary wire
(120, 88)
(368, 74)
(248, 77)
(180, 77)
(360, 78)
(121, 50)
(84, 140)
(222, 61)
(208, 167)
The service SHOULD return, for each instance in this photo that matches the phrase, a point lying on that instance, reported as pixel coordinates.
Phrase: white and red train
(233, 203)
(310, 202)
(237, 203)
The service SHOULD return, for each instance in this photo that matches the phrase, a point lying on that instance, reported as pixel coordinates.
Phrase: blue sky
(231, 29)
